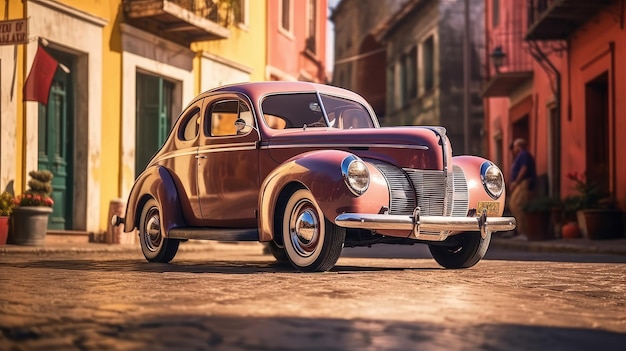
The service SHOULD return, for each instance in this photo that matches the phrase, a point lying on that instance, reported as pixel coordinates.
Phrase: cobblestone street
(235, 298)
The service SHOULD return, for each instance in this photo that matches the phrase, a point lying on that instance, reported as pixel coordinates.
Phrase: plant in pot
(32, 209)
(597, 211)
(538, 218)
(6, 208)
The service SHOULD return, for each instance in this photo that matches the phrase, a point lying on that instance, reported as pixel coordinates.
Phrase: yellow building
(127, 69)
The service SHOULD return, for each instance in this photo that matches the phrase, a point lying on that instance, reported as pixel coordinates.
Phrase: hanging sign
(14, 32)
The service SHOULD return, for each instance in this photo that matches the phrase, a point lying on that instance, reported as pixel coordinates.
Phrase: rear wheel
(312, 243)
(468, 250)
(154, 245)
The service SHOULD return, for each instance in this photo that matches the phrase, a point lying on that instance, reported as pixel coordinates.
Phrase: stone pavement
(580, 246)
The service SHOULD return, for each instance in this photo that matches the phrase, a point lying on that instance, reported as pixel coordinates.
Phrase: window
(293, 111)
(240, 12)
(311, 41)
(189, 128)
(225, 113)
(408, 76)
(391, 91)
(495, 13)
(428, 60)
(285, 15)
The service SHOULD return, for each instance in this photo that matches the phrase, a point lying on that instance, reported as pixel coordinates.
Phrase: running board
(220, 234)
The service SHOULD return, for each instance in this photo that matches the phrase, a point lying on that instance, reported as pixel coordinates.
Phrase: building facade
(425, 59)
(556, 82)
(127, 70)
(359, 56)
(296, 40)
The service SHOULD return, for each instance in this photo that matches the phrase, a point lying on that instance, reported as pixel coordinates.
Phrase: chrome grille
(427, 187)
(431, 191)
(401, 196)
(460, 198)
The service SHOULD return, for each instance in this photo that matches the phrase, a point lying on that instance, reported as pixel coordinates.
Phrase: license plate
(492, 207)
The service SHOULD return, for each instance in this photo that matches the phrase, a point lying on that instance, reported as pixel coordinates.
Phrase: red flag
(37, 85)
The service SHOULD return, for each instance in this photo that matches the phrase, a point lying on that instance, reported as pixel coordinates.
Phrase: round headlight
(492, 178)
(355, 174)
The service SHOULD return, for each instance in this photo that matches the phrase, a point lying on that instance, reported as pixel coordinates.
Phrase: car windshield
(299, 110)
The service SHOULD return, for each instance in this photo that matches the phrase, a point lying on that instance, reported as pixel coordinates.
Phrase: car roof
(257, 90)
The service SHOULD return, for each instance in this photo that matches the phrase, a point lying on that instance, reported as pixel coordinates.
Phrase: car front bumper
(430, 228)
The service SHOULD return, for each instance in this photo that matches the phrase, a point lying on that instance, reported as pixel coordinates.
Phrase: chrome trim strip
(224, 149)
(395, 146)
(319, 101)
(209, 149)
(442, 225)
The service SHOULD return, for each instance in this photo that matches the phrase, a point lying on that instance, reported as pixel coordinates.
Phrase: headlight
(492, 178)
(355, 174)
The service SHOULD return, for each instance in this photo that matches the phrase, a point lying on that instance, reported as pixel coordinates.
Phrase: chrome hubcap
(153, 237)
(304, 228)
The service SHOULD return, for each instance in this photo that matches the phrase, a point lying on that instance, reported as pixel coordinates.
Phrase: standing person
(524, 177)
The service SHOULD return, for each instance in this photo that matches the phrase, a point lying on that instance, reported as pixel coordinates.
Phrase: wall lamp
(497, 58)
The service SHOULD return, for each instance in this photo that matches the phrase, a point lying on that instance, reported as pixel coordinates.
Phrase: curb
(580, 246)
(190, 246)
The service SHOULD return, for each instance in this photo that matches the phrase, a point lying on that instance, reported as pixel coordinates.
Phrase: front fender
(477, 193)
(157, 183)
(320, 172)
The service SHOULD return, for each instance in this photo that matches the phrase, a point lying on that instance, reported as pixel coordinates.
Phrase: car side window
(190, 126)
(225, 113)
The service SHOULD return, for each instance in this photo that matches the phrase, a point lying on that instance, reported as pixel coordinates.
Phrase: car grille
(409, 188)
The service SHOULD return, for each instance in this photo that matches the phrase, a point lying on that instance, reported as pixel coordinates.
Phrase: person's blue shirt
(524, 158)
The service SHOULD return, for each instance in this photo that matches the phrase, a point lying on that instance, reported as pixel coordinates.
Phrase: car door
(228, 167)
(181, 158)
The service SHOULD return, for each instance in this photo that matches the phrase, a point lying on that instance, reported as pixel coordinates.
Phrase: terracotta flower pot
(538, 226)
(603, 224)
(4, 229)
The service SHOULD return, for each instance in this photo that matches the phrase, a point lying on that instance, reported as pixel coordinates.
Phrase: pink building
(296, 40)
(554, 79)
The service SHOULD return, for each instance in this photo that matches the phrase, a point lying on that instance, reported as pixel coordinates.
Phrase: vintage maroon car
(307, 169)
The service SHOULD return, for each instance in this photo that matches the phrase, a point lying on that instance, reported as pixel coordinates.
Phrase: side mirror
(240, 124)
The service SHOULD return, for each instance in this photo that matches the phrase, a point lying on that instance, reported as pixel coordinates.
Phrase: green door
(55, 131)
(154, 97)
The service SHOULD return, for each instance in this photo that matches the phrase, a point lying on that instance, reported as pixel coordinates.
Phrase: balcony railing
(514, 67)
(558, 19)
(183, 21)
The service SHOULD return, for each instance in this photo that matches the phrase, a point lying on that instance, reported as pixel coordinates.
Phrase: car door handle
(200, 156)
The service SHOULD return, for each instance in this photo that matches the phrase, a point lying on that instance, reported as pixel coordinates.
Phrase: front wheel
(154, 245)
(277, 251)
(469, 248)
(312, 242)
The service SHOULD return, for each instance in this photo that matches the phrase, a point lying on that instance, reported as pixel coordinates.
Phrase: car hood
(406, 147)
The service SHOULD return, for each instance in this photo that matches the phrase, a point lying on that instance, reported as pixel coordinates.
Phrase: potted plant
(32, 209)
(598, 214)
(538, 218)
(6, 208)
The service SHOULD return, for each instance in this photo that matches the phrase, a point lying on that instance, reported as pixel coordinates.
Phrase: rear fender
(320, 172)
(157, 183)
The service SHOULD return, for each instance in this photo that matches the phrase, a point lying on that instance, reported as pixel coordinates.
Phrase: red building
(296, 40)
(557, 78)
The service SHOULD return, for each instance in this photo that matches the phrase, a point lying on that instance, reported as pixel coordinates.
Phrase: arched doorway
(371, 68)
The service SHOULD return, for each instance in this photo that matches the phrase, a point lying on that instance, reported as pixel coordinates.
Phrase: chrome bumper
(441, 225)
